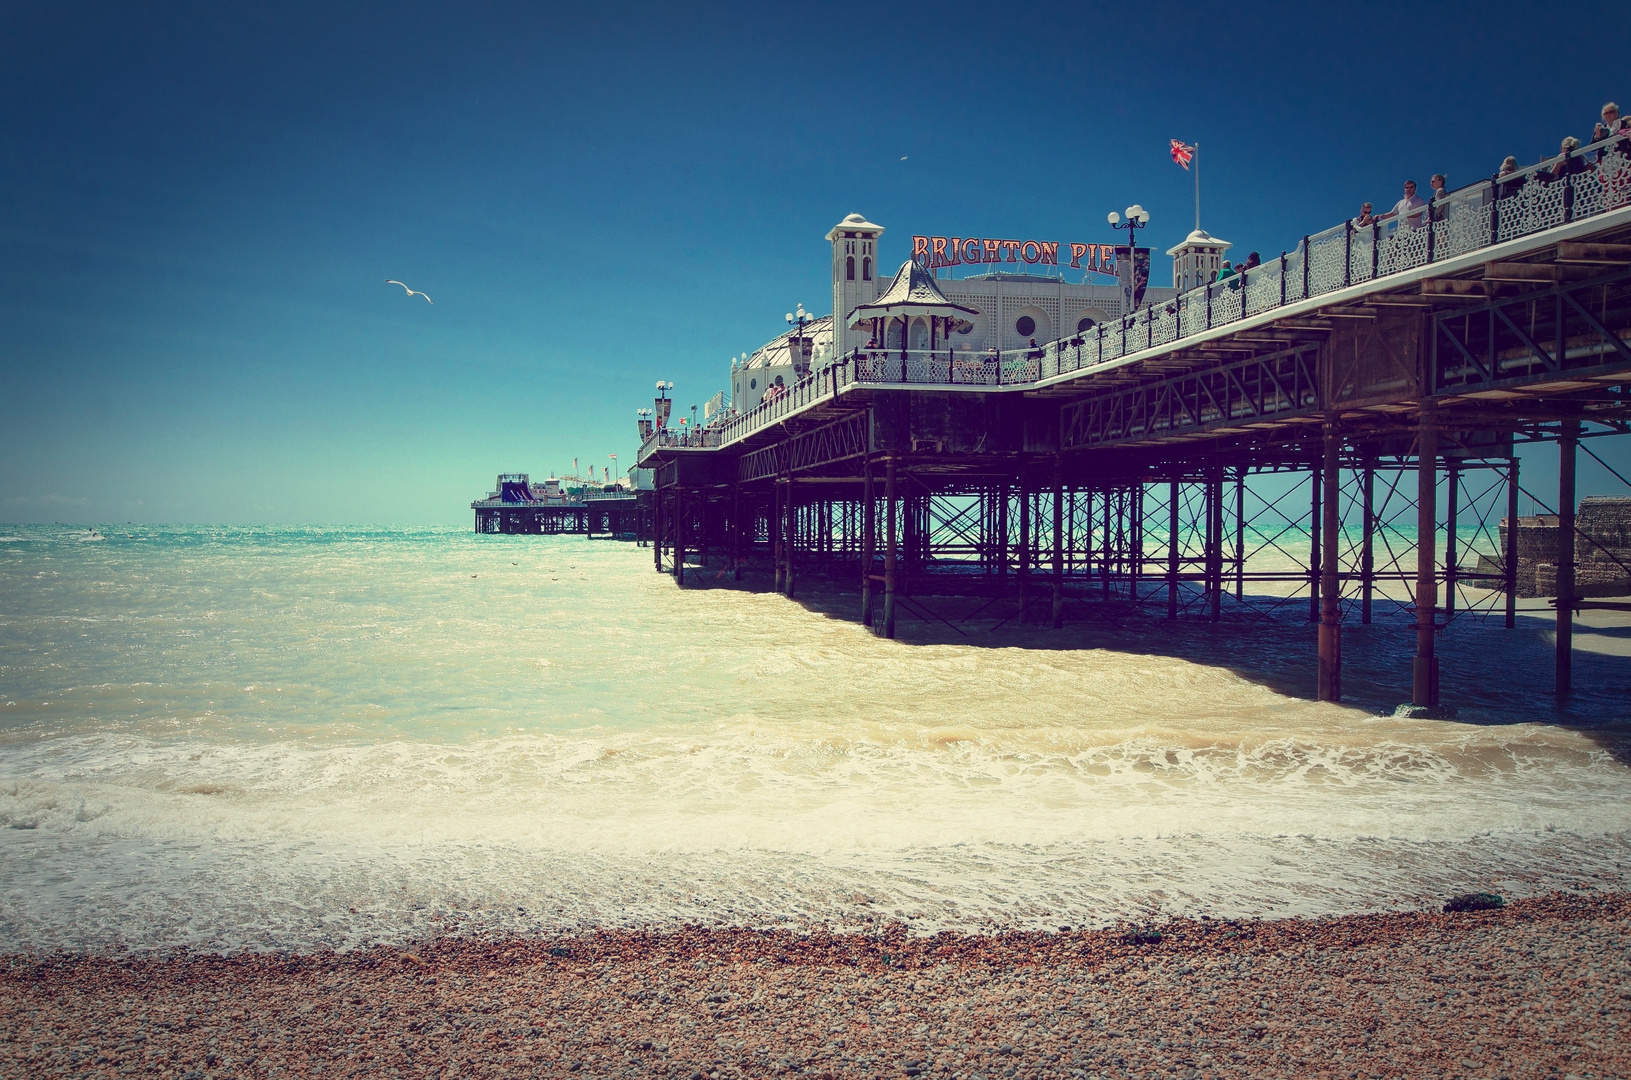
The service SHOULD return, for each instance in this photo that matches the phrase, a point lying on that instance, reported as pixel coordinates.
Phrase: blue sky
(199, 205)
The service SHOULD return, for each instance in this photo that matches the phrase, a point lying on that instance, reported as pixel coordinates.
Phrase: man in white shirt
(1402, 209)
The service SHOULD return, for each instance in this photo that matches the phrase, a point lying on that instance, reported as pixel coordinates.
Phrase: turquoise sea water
(291, 737)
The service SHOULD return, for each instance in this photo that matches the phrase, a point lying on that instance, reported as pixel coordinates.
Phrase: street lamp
(801, 358)
(1137, 218)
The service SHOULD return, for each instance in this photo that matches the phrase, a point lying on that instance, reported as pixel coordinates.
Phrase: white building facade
(1013, 309)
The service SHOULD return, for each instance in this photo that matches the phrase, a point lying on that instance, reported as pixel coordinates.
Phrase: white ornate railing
(1592, 180)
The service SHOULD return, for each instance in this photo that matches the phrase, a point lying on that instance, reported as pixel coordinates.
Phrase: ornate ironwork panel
(1537, 205)
(1328, 261)
(1263, 288)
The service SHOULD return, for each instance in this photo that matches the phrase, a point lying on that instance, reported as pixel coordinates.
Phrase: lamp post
(1137, 218)
(801, 359)
(645, 422)
(663, 404)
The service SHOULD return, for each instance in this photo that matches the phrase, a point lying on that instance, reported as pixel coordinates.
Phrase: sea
(298, 738)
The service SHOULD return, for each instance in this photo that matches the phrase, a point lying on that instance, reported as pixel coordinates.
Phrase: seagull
(411, 293)
(902, 157)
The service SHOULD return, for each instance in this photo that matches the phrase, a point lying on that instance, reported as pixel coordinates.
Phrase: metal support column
(679, 538)
(1024, 549)
(1509, 556)
(659, 533)
(889, 550)
(791, 542)
(1315, 510)
(1367, 540)
(736, 532)
(1330, 640)
(777, 520)
(1565, 556)
(1214, 550)
(1172, 551)
(1424, 674)
(1058, 542)
(1452, 495)
(1240, 533)
(869, 510)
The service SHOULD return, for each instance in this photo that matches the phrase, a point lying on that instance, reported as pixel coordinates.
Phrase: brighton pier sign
(934, 252)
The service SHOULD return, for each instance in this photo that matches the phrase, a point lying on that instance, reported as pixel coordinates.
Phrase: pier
(518, 506)
(1333, 433)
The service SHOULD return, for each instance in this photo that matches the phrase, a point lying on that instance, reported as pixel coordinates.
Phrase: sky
(200, 205)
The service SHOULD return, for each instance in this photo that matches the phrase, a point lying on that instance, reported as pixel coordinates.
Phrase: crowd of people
(1413, 211)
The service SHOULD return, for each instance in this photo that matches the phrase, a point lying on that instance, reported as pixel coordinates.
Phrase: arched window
(866, 270)
(849, 268)
(1085, 323)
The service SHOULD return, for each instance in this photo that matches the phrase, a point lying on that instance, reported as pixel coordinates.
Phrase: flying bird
(411, 292)
(903, 157)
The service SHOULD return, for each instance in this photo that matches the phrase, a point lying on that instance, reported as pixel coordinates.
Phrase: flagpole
(1197, 187)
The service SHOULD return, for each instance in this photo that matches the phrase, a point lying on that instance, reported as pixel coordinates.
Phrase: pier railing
(1586, 182)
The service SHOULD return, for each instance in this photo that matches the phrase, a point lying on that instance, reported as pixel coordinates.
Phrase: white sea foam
(228, 738)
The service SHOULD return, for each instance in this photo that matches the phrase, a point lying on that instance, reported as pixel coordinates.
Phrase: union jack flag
(1182, 154)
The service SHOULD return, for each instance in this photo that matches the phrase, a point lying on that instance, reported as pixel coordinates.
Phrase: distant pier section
(518, 505)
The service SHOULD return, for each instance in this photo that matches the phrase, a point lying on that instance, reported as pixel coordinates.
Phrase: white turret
(1196, 260)
(854, 276)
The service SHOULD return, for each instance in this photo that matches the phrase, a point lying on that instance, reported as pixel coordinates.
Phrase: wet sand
(1541, 988)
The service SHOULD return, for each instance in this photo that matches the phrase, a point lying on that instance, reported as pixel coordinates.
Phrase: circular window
(753, 384)
(965, 328)
(1086, 323)
(1025, 327)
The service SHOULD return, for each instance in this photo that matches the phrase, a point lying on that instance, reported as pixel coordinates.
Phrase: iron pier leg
(1240, 533)
(1424, 677)
(1565, 556)
(1135, 567)
(1002, 531)
(1108, 547)
(736, 532)
(659, 533)
(1214, 547)
(790, 544)
(1058, 542)
(1330, 642)
(1367, 535)
(1314, 549)
(1024, 552)
(1172, 551)
(679, 539)
(1452, 495)
(869, 511)
(778, 542)
(1509, 558)
(889, 550)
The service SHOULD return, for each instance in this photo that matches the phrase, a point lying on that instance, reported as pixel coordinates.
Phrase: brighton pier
(1332, 431)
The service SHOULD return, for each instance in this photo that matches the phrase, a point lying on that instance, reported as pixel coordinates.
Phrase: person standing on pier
(1403, 210)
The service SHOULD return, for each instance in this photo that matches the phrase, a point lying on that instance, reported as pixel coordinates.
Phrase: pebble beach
(1538, 988)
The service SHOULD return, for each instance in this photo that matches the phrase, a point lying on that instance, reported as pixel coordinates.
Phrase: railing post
(1494, 208)
(1307, 258)
(1282, 279)
(1347, 252)
(1375, 248)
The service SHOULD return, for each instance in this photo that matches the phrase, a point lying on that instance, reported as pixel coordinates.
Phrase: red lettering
(920, 249)
(937, 251)
(991, 251)
(952, 250)
(1048, 252)
(971, 250)
(1076, 253)
(1030, 251)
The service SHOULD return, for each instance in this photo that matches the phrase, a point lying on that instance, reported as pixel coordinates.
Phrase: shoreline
(1539, 988)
